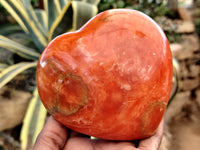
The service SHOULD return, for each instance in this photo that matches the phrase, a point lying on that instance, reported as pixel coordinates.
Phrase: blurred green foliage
(110, 4)
(197, 25)
(152, 8)
(2, 9)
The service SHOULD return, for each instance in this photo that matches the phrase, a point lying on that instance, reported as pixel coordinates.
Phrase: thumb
(52, 137)
(153, 143)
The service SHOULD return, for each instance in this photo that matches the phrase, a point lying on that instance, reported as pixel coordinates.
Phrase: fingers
(76, 140)
(153, 142)
(52, 137)
(109, 145)
(74, 134)
(79, 141)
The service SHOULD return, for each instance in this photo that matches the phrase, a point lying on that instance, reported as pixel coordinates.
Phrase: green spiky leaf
(42, 18)
(9, 28)
(32, 16)
(95, 2)
(15, 15)
(63, 23)
(3, 66)
(63, 3)
(19, 49)
(10, 72)
(19, 12)
(82, 13)
(33, 122)
(52, 9)
(78, 11)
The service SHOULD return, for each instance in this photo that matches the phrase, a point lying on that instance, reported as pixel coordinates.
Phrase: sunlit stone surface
(111, 79)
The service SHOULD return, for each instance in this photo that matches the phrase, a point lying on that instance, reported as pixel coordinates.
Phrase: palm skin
(55, 136)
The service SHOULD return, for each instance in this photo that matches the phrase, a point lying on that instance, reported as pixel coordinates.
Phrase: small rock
(190, 42)
(183, 70)
(13, 104)
(176, 105)
(194, 71)
(184, 54)
(188, 70)
(166, 24)
(185, 27)
(176, 49)
(186, 48)
(184, 14)
(189, 84)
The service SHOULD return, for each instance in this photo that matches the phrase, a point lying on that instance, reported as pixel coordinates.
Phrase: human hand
(55, 136)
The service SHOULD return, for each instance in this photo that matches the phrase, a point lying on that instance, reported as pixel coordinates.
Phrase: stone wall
(182, 121)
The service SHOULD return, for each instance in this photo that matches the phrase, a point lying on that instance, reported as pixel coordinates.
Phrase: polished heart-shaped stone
(111, 79)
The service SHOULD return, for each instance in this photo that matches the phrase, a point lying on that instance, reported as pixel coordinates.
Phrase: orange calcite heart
(111, 79)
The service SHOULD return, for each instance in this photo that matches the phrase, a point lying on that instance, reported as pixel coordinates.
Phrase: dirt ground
(186, 137)
(184, 126)
(182, 118)
(182, 122)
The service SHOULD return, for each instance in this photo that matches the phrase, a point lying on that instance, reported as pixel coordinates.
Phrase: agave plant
(41, 25)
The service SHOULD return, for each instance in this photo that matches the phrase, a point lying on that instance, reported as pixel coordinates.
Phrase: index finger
(53, 136)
